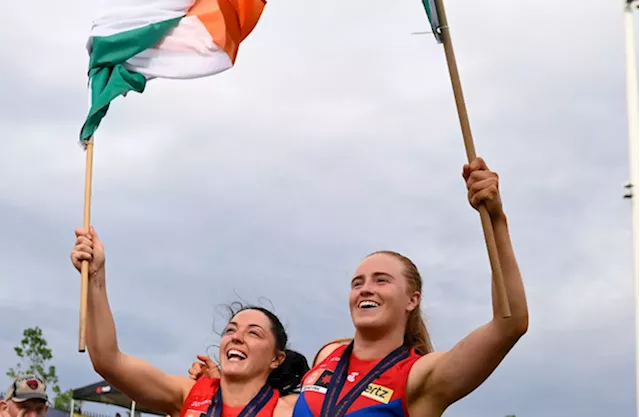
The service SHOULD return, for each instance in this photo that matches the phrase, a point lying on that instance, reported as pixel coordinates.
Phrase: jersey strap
(252, 409)
(330, 406)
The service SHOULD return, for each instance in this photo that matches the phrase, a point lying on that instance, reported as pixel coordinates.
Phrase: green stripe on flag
(107, 74)
(432, 15)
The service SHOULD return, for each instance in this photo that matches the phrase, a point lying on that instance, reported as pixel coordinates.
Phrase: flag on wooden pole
(134, 41)
(438, 20)
(434, 20)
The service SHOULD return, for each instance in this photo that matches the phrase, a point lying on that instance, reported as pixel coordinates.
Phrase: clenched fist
(483, 187)
(88, 248)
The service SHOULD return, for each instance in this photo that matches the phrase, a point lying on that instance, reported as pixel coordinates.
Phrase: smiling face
(380, 297)
(248, 346)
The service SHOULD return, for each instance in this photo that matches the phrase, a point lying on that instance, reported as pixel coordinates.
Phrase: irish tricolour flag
(134, 41)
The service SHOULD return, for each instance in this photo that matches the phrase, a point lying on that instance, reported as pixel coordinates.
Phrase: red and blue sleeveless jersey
(201, 396)
(384, 396)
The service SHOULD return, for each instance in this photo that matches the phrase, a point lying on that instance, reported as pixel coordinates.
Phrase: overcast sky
(335, 135)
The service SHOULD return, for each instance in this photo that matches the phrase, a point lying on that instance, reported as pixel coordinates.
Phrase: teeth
(236, 354)
(368, 304)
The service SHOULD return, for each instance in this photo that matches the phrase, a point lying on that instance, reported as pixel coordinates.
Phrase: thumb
(207, 361)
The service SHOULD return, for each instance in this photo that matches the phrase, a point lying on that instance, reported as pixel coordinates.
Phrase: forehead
(380, 263)
(248, 317)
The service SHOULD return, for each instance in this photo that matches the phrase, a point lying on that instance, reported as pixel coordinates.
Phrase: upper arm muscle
(147, 385)
(450, 376)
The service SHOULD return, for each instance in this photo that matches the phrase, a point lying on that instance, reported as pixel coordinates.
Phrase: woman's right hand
(206, 367)
(88, 248)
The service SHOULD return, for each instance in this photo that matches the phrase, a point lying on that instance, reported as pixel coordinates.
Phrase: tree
(35, 357)
(63, 401)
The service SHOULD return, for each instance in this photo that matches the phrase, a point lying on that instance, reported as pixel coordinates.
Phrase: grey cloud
(274, 182)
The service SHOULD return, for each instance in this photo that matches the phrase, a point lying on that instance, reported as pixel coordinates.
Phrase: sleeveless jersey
(385, 396)
(201, 395)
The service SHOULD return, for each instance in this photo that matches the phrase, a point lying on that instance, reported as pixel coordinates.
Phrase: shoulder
(185, 384)
(197, 394)
(420, 372)
(328, 349)
(204, 385)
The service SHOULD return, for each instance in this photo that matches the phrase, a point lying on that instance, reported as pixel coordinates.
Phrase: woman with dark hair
(390, 368)
(258, 372)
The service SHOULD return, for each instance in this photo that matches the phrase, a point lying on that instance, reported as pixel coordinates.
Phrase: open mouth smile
(234, 355)
(367, 304)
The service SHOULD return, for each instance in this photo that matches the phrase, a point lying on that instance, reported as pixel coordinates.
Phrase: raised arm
(438, 380)
(136, 378)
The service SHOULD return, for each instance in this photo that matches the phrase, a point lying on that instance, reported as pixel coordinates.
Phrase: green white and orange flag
(134, 41)
(432, 14)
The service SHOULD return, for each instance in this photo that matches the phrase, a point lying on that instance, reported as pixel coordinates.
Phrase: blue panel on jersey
(393, 409)
(302, 408)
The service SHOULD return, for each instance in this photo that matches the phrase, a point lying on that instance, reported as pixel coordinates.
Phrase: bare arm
(442, 378)
(136, 378)
(328, 349)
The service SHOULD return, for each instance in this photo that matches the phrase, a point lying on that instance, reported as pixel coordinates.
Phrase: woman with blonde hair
(389, 368)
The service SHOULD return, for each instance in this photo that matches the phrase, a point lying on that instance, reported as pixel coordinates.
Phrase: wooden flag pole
(84, 271)
(498, 280)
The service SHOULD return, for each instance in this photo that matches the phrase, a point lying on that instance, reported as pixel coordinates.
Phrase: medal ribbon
(330, 406)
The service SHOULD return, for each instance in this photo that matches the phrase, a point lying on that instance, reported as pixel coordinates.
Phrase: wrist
(98, 277)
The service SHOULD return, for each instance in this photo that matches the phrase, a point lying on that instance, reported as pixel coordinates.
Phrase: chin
(233, 369)
(368, 323)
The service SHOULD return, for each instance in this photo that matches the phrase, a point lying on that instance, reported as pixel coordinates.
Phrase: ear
(3, 408)
(414, 301)
(277, 361)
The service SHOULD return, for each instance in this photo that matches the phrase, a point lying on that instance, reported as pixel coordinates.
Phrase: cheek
(261, 350)
(224, 341)
(393, 296)
(353, 297)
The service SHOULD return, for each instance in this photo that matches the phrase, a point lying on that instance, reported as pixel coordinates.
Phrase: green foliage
(63, 401)
(35, 358)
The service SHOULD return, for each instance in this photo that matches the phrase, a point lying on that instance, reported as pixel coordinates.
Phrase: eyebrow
(375, 274)
(250, 325)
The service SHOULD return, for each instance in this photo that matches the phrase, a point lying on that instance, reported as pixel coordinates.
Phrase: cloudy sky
(335, 135)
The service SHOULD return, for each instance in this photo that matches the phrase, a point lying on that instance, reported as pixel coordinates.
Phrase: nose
(238, 337)
(366, 289)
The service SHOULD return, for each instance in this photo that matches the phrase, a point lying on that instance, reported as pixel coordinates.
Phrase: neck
(236, 393)
(376, 346)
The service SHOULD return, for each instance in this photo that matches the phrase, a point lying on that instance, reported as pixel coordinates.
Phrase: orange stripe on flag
(228, 22)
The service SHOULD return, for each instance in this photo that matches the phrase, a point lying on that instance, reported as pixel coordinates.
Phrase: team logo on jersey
(318, 383)
(378, 393)
(312, 377)
(352, 376)
(200, 403)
